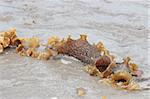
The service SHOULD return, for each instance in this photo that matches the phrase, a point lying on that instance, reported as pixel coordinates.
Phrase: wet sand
(121, 26)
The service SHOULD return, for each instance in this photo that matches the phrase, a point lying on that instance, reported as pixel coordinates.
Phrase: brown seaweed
(87, 53)
(100, 62)
(7, 39)
(80, 49)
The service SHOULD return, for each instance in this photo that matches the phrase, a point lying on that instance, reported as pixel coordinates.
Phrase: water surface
(121, 25)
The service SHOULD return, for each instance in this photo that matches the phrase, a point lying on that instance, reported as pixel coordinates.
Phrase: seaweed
(98, 59)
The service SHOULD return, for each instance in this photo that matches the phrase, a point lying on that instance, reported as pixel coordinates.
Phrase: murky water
(122, 26)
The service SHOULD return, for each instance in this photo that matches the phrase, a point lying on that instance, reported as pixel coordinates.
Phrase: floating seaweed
(81, 91)
(99, 61)
(7, 39)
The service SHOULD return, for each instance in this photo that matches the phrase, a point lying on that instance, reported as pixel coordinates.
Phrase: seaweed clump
(98, 59)
(7, 39)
